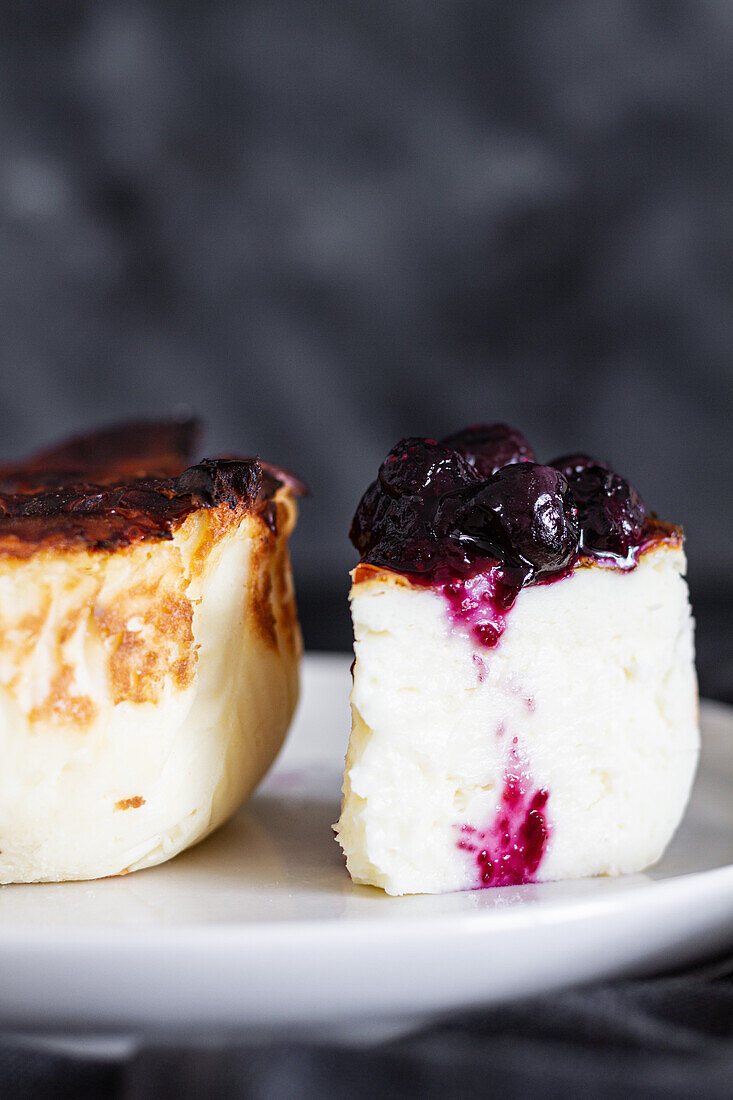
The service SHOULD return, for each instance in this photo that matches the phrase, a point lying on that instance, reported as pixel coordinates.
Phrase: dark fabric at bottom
(27, 1074)
(668, 1037)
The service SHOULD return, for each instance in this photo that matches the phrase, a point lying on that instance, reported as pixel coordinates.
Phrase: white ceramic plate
(260, 926)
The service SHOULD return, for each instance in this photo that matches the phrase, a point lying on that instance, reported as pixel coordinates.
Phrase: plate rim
(88, 974)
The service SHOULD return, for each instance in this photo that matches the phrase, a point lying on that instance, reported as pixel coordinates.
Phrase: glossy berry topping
(368, 521)
(423, 467)
(611, 513)
(475, 517)
(570, 465)
(488, 447)
(523, 515)
(397, 522)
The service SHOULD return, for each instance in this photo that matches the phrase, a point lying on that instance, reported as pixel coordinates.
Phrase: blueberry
(489, 447)
(395, 522)
(404, 535)
(611, 512)
(400, 505)
(524, 516)
(369, 517)
(415, 554)
(422, 466)
(570, 465)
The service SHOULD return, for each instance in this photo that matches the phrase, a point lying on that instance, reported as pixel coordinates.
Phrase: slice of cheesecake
(149, 648)
(524, 701)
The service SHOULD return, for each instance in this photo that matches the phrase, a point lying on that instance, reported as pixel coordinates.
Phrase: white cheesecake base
(144, 692)
(590, 695)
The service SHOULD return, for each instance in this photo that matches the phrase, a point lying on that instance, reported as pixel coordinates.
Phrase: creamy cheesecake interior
(589, 697)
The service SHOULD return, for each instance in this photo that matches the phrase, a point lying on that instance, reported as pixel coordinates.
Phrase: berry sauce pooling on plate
(477, 517)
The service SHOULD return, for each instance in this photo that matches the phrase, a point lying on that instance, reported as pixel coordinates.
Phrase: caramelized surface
(113, 455)
(124, 484)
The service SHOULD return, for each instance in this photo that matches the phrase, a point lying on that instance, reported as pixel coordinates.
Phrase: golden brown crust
(116, 454)
(658, 531)
(272, 601)
(125, 485)
(284, 601)
(658, 534)
(261, 607)
(135, 611)
(365, 573)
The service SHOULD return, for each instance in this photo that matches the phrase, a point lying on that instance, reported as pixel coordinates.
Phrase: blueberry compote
(476, 517)
(488, 447)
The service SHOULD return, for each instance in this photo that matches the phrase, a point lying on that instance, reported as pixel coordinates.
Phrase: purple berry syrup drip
(480, 604)
(509, 851)
(477, 518)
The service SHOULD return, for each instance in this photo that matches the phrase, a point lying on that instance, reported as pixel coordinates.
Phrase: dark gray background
(323, 226)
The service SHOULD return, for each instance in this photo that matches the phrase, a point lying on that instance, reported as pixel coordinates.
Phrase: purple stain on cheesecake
(480, 604)
(509, 851)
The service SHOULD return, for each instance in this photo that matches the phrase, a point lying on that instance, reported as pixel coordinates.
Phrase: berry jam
(508, 852)
(475, 517)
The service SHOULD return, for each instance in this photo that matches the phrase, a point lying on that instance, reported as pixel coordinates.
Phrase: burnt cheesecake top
(124, 484)
(478, 499)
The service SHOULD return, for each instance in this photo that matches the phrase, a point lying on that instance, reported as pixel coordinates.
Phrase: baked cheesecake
(149, 647)
(524, 703)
